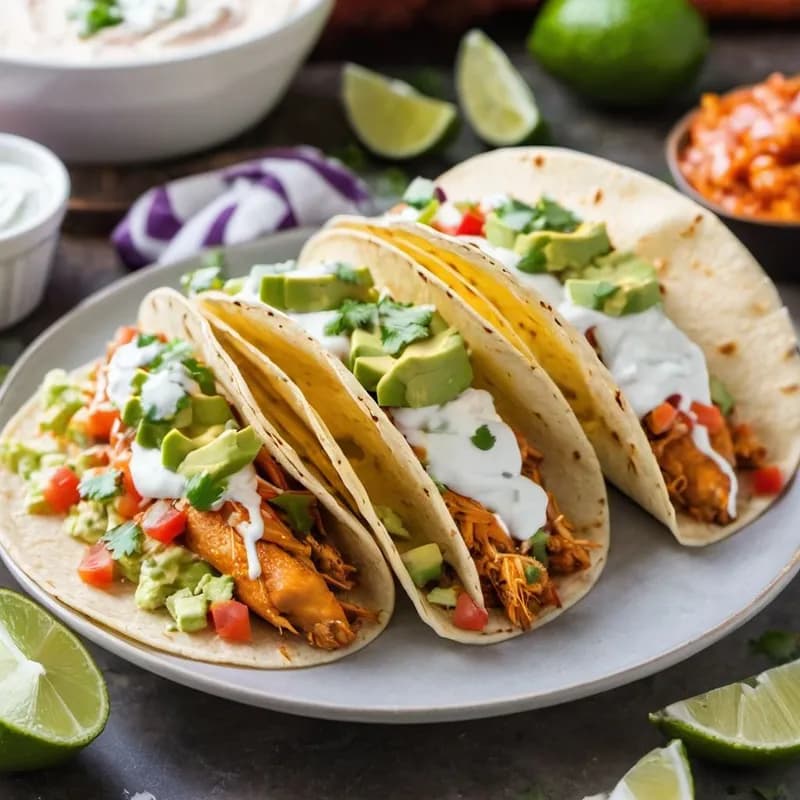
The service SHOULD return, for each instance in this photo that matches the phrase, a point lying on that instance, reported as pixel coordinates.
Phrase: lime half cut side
(663, 774)
(393, 119)
(53, 699)
(753, 722)
(497, 102)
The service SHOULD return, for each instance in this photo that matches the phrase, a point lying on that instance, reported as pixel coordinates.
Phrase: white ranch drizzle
(151, 478)
(492, 477)
(164, 389)
(122, 368)
(314, 324)
(242, 488)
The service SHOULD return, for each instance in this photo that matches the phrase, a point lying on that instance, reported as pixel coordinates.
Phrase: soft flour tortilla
(383, 468)
(714, 291)
(41, 548)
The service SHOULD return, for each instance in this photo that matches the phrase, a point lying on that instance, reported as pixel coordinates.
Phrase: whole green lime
(621, 52)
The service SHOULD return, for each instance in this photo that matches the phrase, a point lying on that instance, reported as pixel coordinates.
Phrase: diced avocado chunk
(563, 251)
(215, 588)
(210, 410)
(87, 521)
(34, 494)
(392, 521)
(150, 435)
(443, 597)
(499, 233)
(132, 413)
(721, 396)
(369, 370)
(428, 212)
(226, 455)
(616, 284)
(188, 610)
(234, 285)
(537, 545)
(164, 572)
(429, 372)
(25, 459)
(61, 399)
(424, 564)
(176, 445)
(302, 292)
(364, 343)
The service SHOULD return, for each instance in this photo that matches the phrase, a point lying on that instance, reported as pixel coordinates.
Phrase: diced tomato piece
(124, 335)
(450, 230)
(662, 417)
(129, 503)
(61, 491)
(100, 421)
(97, 566)
(468, 615)
(231, 620)
(708, 416)
(767, 480)
(163, 522)
(471, 223)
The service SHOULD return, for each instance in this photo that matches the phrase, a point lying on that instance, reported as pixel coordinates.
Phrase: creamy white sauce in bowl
(148, 29)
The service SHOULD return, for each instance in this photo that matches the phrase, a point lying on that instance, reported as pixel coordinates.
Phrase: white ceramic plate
(656, 603)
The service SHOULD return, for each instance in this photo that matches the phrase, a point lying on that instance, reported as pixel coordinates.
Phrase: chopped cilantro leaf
(124, 540)
(546, 215)
(102, 486)
(174, 350)
(297, 508)
(555, 217)
(344, 272)
(94, 15)
(204, 279)
(517, 215)
(534, 260)
(532, 573)
(203, 492)
(145, 339)
(779, 646)
(402, 324)
(483, 438)
(202, 374)
(352, 314)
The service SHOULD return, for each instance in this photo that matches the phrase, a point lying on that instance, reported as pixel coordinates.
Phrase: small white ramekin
(27, 249)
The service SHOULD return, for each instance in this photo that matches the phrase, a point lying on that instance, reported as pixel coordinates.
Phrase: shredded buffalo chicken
(510, 575)
(695, 482)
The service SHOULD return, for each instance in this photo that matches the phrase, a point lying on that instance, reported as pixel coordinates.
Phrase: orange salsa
(743, 149)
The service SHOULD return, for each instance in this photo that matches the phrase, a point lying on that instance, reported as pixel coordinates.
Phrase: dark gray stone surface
(182, 745)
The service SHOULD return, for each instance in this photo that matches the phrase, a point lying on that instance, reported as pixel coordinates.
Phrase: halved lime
(53, 698)
(499, 105)
(663, 774)
(392, 118)
(753, 722)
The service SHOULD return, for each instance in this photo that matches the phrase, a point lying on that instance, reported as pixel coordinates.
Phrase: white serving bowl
(26, 249)
(155, 106)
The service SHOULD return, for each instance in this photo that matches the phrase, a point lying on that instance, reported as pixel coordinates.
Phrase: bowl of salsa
(739, 155)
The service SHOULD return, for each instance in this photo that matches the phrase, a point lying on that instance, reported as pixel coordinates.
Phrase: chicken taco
(461, 454)
(680, 361)
(147, 492)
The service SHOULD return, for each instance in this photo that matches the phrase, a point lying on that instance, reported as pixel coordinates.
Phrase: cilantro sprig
(102, 486)
(779, 646)
(203, 492)
(297, 509)
(483, 438)
(545, 215)
(124, 540)
(400, 324)
(94, 15)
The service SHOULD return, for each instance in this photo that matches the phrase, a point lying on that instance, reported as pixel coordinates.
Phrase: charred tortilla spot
(598, 196)
(727, 349)
(618, 399)
(632, 466)
(538, 161)
(791, 389)
(615, 437)
(576, 455)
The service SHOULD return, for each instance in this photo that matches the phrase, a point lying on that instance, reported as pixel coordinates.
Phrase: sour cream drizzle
(242, 488)
(164, 389)
(492, 477)
(122, 368)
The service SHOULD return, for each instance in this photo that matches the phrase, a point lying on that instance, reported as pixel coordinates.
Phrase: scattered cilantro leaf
(767, 793)
(102, 486)
(345, 272)
(145, 339)
(534, 261)
(352, 314)
(779, 646)
(201, 374)
(483, 438)
(124, 540)
(402, 324)
(297, 509)
(555, 217)
(94, 15)
(546, 215)
(204, 279)
(203, 491)
(174, 350)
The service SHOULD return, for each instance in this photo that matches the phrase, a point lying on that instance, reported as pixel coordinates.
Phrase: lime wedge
(753, 722)
(663, 774)
(53, 698)
(499, 105)
(392, 118)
